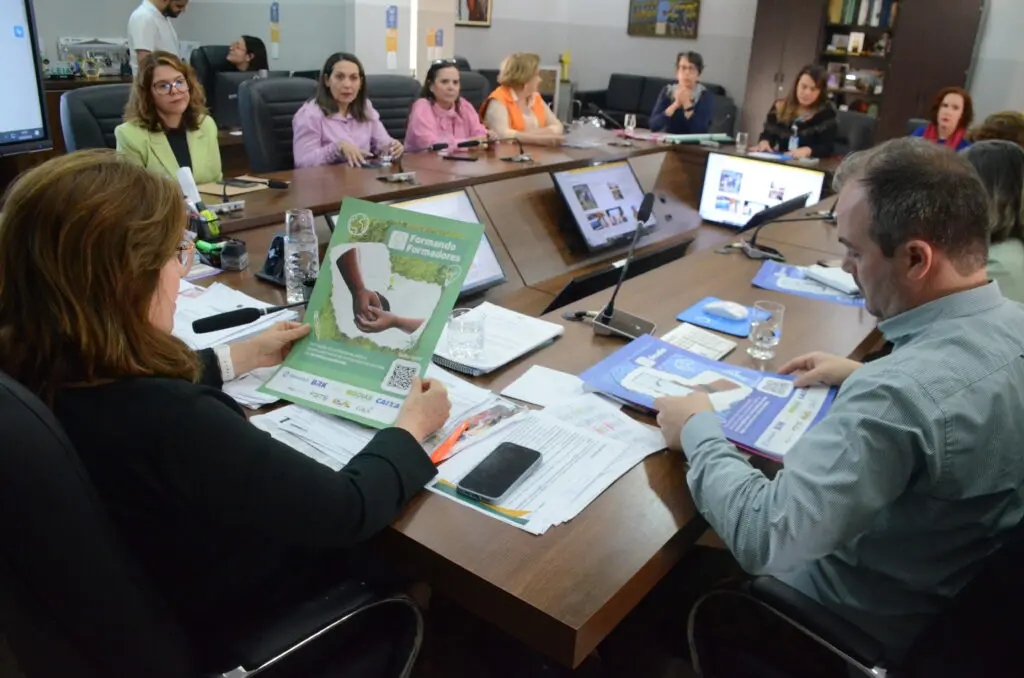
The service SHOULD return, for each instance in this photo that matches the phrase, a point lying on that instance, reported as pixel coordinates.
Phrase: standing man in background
(150, 29)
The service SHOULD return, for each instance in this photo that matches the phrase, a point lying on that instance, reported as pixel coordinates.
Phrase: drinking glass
(466, 334)
(765, 332)
(630, 122)
(742, 139)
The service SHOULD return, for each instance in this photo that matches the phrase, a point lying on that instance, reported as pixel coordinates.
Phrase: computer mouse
(728, 310)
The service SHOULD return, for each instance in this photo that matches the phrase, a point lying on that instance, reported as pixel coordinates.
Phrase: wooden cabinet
(787, 37)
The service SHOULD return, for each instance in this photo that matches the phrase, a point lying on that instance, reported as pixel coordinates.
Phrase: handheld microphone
(609, 321)
(594, 108)
(239, 316)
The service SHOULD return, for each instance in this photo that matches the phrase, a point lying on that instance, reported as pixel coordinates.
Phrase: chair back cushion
(265, 111)
(649, 94)
(856, 132)
(71, 601)
(462, 63)
(88, 115)
(392, 96)
(914, 123)
(475, 88)
(624, 93)
(723, 114)
(208, 60)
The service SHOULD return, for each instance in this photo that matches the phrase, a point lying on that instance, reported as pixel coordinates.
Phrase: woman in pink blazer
(442, 116)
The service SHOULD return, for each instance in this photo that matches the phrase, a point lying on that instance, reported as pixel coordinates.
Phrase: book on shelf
(835, 11)
(839, 43)
(863, 11)
(856, 44)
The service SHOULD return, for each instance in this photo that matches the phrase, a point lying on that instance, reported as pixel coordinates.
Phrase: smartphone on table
(494, 478)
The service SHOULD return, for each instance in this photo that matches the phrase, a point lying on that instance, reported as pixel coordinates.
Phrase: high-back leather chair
(392, 96)
(208, 60)
(73, 602)
(856, 132)
(265, 111)
(475, 88)
(462, 63)
(88, 115)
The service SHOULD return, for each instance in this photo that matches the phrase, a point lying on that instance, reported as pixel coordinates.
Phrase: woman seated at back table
(1000, 164)
(166, 125)
(951, 115)
(230, 526)
(516, 108)
(339, 124)
(686, 107)
(248, 53)
(804, 124)
(441, 115)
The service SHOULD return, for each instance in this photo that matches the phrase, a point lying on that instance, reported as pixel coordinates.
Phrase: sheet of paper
(272, 423)
(245, 391)
(463, 395)
(507, 336)
(340, 439)
(545, 387)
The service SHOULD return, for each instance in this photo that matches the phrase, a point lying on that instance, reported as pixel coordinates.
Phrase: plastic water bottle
(301, 254)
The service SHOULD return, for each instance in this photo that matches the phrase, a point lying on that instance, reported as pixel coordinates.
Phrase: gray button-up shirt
(885, 508)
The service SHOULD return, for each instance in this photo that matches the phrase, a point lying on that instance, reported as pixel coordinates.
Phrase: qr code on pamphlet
(400, 375)
(776, 387)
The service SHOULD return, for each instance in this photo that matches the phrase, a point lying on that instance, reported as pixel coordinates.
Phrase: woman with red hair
(951, 115)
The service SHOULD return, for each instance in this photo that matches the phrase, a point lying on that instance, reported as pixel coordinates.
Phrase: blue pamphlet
(695, 315)
(791, 280)
(760, 412)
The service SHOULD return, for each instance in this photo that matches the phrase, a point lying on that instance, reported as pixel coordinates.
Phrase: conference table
(563, 592)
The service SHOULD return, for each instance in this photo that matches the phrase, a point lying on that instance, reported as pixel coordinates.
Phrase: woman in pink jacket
(442, 116)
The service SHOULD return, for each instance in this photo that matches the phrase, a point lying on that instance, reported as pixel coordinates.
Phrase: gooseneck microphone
(771, 215)
(432, 147)
(239, 316)
(523, 155)
(606, 316)
(597, 110)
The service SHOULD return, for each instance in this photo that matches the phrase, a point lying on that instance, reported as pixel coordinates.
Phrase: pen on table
(443, 450)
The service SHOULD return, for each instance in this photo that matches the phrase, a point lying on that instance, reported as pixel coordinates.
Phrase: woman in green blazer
(166, 124)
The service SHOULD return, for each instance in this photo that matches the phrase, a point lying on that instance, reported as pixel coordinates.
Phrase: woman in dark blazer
(804, 124)
(231, 526)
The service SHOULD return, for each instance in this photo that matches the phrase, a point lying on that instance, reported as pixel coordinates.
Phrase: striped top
(885, 508)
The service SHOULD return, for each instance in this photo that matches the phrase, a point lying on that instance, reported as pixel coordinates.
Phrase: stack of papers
(245, 389)
(508, 335)
(586, 445)
(200, 302)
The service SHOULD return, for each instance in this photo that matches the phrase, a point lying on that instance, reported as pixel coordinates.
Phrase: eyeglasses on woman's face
(165, 88)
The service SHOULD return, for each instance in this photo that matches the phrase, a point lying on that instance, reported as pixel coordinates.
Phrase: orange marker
(443, 450)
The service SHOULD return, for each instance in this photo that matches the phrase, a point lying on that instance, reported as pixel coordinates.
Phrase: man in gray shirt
(885, 509)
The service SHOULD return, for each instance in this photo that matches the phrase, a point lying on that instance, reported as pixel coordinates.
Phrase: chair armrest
(817, 620)
(296, 628)
(598, 97)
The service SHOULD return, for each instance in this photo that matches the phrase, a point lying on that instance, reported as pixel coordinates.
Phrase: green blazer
(153, 151)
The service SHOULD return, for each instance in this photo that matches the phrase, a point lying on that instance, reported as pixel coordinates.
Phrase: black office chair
(914, 123)
(73, 603)
(475, 88)
(856, 132)
(88, 115)
(462, 63)
(492, 77)
(976, 635)
(265, 111)
(392, 96)
(208, 60)
(313, 75)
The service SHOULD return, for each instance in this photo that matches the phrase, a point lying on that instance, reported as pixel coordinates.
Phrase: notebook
(507, 336)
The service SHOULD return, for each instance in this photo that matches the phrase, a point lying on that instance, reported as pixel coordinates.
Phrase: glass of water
(466, 334)
(630, 122)
(742, 139)
(765, 332)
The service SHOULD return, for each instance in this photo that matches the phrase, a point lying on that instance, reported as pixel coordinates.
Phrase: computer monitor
(225, 95)
(736, 188)
(604, 200)
(23, 124)
(485, 271)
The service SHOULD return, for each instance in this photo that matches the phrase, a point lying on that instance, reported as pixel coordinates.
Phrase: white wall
(997, 76)
(594, 32)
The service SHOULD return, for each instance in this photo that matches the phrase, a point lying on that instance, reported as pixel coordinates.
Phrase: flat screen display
(604, 200)
(23, 125)
(486, 271)
(737, 188)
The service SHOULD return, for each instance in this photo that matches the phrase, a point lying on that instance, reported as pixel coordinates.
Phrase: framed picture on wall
(473, 13)
(664, 18)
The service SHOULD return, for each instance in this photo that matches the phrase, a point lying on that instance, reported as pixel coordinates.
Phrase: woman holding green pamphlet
(231, 527)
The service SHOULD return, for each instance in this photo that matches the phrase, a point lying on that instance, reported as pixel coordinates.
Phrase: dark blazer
(698, 123)
(817, 132)
(229, 523)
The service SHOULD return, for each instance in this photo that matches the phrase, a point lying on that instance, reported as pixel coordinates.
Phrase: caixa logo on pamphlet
(388, 403)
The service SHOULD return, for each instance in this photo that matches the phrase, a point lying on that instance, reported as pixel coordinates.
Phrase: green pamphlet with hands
(386, 286)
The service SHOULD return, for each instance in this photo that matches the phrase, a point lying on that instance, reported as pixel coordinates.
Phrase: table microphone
(610, 321)
(239, 316)
(469, 143)
(401, 175)
(523, 155)
(594, 108)
(269, 183)
(768, 216)
(432, 147)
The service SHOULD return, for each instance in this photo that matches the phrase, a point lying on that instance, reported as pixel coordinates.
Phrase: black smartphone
(499, 473)
(467, 158)
(240, 183)
(372, 164)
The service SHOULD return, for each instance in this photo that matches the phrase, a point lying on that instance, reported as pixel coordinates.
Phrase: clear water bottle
(301, 254)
